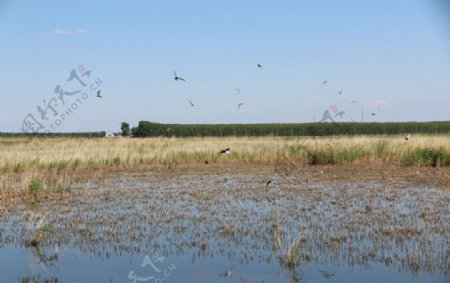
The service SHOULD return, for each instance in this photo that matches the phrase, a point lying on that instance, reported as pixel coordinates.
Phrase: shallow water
(229, 228)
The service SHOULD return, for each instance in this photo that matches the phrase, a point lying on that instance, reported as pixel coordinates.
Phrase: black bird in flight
(324, 82)
(240, 104)
(373, 114)
(340, 92)
(192, 104)
(238, 91)
(225, 151)
(98, 94)
(407, 137)
(177, 78)
(259, 66)
(268, 183)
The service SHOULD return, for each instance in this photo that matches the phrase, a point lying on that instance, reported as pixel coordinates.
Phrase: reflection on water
(228, 228)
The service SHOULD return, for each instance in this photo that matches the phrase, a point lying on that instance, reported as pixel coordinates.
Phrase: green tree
(125, 127)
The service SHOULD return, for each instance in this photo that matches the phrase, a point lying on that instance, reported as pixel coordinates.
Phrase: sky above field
(386, 57)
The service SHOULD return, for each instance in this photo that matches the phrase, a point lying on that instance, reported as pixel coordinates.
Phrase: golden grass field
(23, 154)
(63, 159)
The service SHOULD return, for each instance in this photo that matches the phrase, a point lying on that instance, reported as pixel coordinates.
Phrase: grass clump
(426, 156)
(35, 185)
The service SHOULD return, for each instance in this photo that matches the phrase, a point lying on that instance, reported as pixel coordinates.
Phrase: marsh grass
(35, 186)
(57, 155)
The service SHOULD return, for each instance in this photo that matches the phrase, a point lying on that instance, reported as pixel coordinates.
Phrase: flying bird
(340, 114)
(324, 82)
(340, 92)
(98, 94)
(259, 66)
(225, 151)
(177, 78)
(354, 101)
(192, 104)
(238, 91)
(240, 104)
(373, 114)
(268, 183)
(407, 137)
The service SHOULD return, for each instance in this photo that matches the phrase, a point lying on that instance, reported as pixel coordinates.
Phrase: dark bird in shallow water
(226, 274)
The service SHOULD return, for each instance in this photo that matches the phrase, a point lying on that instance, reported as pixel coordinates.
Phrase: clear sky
(392, 56)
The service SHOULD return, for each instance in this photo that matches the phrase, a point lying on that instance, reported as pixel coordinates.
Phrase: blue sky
(392, 56)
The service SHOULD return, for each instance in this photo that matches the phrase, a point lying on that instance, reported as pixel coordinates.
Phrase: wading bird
(226, 274)
(177, 78)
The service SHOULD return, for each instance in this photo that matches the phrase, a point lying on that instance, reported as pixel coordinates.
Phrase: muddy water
(228, 227)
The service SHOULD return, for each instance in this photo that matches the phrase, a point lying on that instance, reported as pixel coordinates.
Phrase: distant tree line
(68, 135)
(150, 129)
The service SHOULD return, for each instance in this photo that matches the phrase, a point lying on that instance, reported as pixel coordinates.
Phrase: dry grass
(58, 162)
(59, 154)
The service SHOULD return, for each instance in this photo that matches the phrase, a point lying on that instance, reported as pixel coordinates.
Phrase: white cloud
(78, 31)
